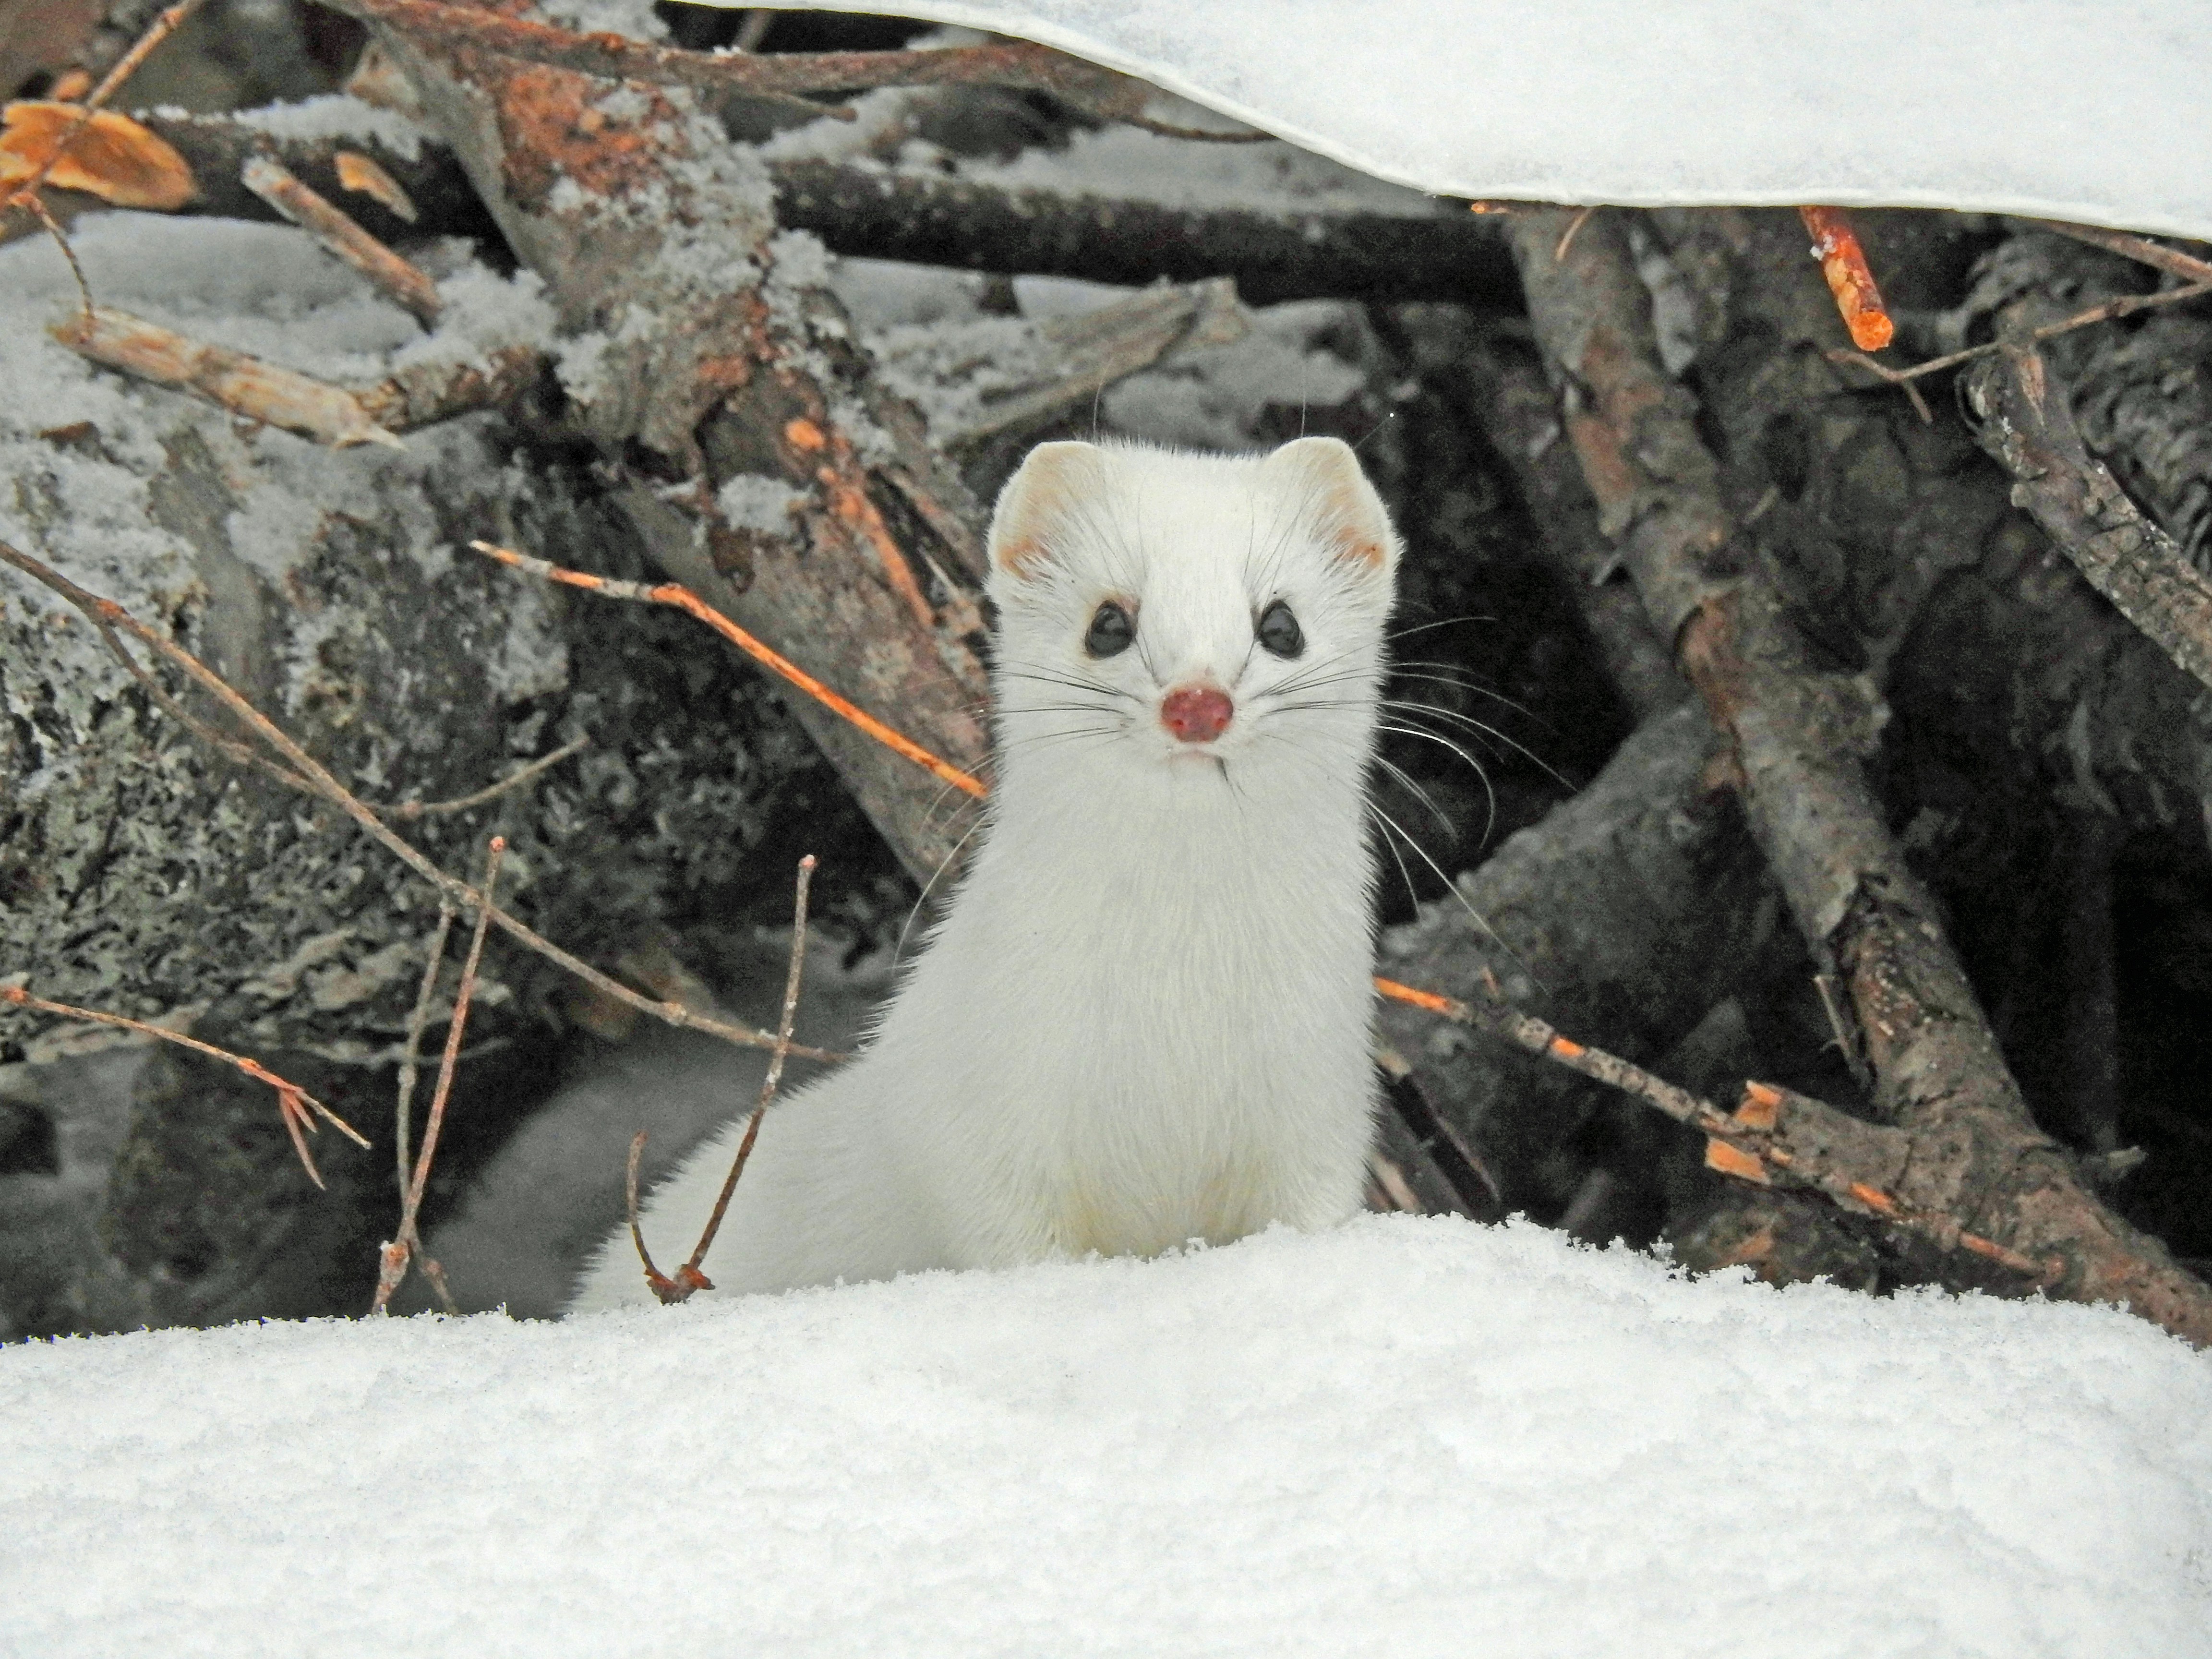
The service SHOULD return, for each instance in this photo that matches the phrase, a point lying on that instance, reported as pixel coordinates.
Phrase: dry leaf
(113, 158)
(359, 174)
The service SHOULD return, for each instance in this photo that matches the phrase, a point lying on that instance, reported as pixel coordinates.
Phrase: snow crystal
(1404, 1437)
(336, 115)
(2037, 106)
(752, 501)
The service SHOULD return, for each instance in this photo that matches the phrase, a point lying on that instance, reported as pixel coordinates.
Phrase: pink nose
(1196, 714)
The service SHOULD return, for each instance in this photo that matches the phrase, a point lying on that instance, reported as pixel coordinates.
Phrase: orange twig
(1742, 1143)
(1843, 263)
(683, 599)
(295, 1105)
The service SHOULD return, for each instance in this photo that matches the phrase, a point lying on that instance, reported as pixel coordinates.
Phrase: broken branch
(1844, 264)
(230, 380)
(398, 279)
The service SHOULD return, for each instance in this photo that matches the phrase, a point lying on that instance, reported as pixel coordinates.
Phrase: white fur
(1146, 1017)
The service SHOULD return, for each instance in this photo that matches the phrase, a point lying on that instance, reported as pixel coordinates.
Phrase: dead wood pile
(1834, 895)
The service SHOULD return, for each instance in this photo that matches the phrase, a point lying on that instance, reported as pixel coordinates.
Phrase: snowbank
(1407, 1438)
(2055, 107)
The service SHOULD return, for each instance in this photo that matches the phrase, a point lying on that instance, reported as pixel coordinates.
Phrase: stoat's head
(1194, 616)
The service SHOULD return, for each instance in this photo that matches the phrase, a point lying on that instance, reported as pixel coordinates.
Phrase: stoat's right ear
(1032, 515)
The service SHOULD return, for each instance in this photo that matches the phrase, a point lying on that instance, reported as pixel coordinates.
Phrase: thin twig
(160, 30)
(295, 1105)
(2171, 260)
(407, 811)
(410, 1056)
(400, 279)
(315, 779)
(1574, 228)
(2126, 305)
(395, 1257)
(688, 1277)
(683, 599)
(38, 205)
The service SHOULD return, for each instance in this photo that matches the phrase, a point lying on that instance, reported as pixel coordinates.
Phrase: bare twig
(2027, 423)
(689, 1277)
(295, 1105)
(393, 1261)
(315, 779)
(1574, 228)
(1851, 280)
(231, 379)
(410, 1056)
(2126, 305)
(408, 811)
(399, 280)
(683, 599)
(2141, 249)
(160, 30)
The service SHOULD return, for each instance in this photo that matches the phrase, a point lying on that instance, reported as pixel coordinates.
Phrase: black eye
(1111, 631)
(1280, 631)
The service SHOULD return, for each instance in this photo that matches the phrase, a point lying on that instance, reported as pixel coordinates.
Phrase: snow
(336, 116)
(2061, 108)
(1405, 1437)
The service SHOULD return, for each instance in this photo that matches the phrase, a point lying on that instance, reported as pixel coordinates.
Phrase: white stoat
(1146, 1017)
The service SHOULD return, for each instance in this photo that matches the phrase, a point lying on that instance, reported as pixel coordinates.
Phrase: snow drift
(1406, 1437)
(2058, 108)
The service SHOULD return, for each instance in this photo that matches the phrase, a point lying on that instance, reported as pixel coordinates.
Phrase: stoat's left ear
(1341, 509)
(1032, 517)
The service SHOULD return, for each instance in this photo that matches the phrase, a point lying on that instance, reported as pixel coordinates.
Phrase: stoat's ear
(1034, 508)
(1341, 508)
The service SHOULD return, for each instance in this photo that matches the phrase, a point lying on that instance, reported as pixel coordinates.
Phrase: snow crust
(1406, 1437)
(2060, 108)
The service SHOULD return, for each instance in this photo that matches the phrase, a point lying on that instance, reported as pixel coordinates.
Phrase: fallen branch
(1774, 1133)
(1798, 735)
(689, 1277)
(398, 279)
(394, 1258)
(294, 1105)
(316, 780)
(1277, 247)
(244, 386)
(2027, 424)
